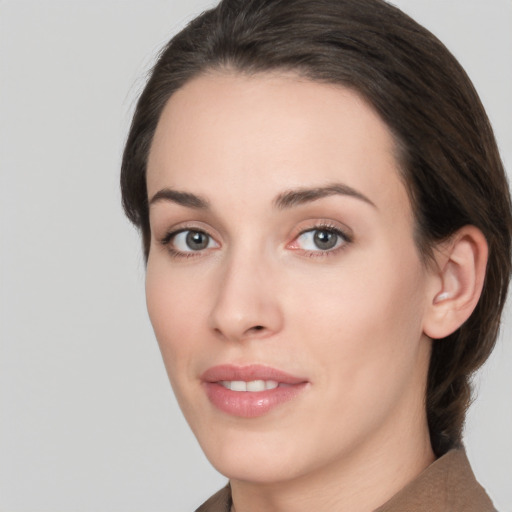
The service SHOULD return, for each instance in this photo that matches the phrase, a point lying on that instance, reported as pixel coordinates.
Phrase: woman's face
(283, 283)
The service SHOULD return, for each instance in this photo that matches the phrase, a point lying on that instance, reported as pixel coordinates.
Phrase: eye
(189, 240)
(320, 239)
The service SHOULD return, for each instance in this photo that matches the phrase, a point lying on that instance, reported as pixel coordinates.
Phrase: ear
(457, 282)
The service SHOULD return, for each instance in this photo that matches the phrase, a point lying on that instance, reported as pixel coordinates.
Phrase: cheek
(173, 309)
(366, 319)
(362, 334)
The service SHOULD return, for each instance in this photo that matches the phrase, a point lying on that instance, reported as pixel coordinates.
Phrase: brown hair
(447, 152)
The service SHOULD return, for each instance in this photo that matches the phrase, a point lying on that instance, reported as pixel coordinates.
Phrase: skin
(350, 320)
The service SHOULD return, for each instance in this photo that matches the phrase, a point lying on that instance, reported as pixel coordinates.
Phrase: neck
(360, 481)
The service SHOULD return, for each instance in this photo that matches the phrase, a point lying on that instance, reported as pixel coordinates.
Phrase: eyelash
(345, 240)
(166, 241)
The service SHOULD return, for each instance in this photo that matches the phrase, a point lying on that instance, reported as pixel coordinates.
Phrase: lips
(250, 391)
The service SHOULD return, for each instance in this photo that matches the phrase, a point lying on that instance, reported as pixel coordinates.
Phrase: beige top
(447, 485)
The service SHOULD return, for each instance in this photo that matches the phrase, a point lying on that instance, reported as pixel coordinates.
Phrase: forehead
(269, 131)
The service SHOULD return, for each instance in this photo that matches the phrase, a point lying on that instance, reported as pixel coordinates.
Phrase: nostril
(256, 331)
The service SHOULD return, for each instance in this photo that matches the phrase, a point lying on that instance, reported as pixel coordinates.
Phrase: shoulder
(447, 485)
(219, 502)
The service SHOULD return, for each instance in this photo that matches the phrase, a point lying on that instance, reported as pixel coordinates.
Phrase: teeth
(238, 385)
(256, 385)
(253, 385)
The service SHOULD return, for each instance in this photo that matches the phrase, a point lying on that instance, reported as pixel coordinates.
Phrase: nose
(246, 304)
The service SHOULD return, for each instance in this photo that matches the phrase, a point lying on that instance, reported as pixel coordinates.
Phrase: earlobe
(457, 282)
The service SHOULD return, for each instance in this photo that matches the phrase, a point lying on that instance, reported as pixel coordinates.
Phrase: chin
(255, 466)
(265, 452)
(248, 451)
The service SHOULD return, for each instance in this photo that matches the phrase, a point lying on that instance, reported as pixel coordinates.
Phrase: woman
(326, 223)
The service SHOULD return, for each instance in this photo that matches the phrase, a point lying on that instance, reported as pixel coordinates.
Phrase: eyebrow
(301, 196)
(287, 199)
(182, 198)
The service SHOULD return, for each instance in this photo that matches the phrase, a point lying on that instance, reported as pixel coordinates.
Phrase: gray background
(87, 418)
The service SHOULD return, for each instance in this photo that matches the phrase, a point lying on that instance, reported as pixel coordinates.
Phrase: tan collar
(447, 485)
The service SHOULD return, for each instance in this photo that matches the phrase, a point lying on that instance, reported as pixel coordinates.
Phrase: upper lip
(247, 373)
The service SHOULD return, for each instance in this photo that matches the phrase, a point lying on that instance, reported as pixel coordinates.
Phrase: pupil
(197, 240)
(325, 239)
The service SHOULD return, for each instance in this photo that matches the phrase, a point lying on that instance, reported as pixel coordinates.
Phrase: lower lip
(250, 404)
